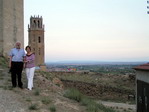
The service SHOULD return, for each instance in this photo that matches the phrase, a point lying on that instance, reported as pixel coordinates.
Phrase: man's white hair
(18, 42)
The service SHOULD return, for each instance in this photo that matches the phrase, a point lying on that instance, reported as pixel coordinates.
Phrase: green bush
(105, 109)
(91, 105)
(33, 107)
(46, 100)
(28, 99)
(52, 108)
(37, 92)
(73, 94)
(85, 101)
(3, 62)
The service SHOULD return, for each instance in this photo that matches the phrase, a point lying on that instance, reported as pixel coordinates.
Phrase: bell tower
(36, 39)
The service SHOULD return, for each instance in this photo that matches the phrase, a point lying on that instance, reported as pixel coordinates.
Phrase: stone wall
(1, 27)
(96, 90)
(12, 24)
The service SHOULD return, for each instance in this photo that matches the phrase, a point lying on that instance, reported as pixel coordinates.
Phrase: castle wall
(1, 27)
(12, 24)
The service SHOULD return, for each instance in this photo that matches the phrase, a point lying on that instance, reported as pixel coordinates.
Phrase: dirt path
(19, 100)
(9, 102)
(119, 105)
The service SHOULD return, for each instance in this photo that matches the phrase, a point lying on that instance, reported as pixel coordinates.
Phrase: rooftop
(142, 67)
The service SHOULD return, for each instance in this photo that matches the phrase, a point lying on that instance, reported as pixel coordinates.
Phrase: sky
(94, 30)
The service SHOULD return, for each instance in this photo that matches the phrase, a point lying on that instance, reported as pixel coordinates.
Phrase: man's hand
(9, 65)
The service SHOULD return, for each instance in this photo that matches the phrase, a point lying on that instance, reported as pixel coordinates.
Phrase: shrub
(28, 99)
(105, 109)
(33, 107)
(46, 100)
(92, 106)
(3, 61)
(37, 92)
(73, 94)
(85, 101)
(52, 108)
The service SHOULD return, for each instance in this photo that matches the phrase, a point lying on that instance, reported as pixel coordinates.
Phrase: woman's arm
(32, 58)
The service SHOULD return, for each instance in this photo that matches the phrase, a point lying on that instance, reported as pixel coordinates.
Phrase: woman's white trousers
(30, 76)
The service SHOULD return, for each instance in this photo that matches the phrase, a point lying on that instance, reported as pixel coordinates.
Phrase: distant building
(142, 87)
(11, 24)
(36, 39)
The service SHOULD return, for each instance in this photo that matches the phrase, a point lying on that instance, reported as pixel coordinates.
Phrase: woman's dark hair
(28, 47)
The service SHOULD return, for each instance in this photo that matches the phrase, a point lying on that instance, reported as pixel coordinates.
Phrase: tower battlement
(36, 23)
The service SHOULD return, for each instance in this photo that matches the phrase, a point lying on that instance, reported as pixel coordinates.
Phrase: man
(16, 64)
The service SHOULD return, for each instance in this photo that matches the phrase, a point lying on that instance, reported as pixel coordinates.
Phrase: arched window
(34, 23)
(38, 24)
(39, 39)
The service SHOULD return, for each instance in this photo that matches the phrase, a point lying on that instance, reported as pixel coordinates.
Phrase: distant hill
(94, 63)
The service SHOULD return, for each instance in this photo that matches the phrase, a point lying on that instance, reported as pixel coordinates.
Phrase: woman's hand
(26, 61)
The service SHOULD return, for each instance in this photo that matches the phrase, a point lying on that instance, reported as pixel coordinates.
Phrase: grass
(117, 81)
(52, 108)
(37, 92)
(85, 101)
(1, 78)
(93, 107)
(90, 104)
(46, 100)
(28, 99)
(73, 94)
(3, 62)
(33, 107)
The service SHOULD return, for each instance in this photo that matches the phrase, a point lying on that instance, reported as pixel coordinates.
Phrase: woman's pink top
(30, 61)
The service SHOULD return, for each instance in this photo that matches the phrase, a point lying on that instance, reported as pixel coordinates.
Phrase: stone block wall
(12, 24)
(1, 27)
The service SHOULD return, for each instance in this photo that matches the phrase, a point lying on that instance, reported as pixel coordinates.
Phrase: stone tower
(11, 24)
(36, 39)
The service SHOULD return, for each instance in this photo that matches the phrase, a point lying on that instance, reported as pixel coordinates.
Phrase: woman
(29, 67)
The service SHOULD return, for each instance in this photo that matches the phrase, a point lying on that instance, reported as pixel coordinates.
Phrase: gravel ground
(9, 102)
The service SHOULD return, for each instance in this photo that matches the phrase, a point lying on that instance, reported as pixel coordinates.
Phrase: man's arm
(10, 58)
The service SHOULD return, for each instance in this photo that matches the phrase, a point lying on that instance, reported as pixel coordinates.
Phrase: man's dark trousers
(16, 73)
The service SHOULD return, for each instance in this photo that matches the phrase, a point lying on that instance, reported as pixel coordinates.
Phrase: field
(69, 90)
(118, 77)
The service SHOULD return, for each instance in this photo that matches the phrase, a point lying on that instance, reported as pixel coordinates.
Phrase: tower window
(39, 40)
(38, 24)
(34, 23)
